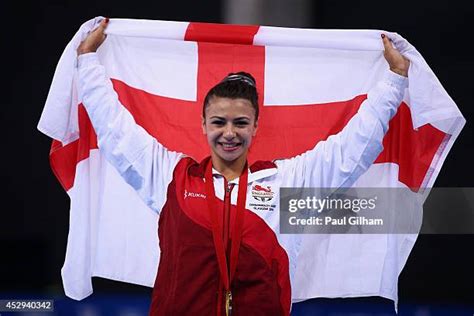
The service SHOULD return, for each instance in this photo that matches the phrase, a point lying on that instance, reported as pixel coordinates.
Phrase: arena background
(438, 278)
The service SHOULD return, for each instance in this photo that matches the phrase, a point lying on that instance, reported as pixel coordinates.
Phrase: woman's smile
(229, 146)
(229, 126)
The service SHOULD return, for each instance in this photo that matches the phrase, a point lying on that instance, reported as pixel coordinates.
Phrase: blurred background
(438, 278)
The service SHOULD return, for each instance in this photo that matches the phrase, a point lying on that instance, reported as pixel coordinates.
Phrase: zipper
(226, 233)
(226, 226)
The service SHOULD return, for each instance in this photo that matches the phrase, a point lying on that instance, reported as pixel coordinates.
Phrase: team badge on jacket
(262, 193)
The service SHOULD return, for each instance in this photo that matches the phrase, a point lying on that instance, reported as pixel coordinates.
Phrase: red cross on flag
(311, 82)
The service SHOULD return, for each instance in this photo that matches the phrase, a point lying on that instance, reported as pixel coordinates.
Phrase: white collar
(253, 176)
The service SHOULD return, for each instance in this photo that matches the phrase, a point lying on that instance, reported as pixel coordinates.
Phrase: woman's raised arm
(143, 162)
(341, 159)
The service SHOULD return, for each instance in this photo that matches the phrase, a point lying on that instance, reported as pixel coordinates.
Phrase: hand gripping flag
(311, 82)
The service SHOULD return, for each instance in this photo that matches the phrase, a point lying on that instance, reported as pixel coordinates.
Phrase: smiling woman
(221, 252)
(229, 121)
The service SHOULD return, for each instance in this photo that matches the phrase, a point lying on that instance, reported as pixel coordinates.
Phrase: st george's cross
(284, 130)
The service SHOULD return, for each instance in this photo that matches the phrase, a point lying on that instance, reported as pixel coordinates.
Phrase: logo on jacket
(262, 193)
(193, 195)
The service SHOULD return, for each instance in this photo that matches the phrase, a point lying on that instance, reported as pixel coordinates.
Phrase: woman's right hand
(94, 39)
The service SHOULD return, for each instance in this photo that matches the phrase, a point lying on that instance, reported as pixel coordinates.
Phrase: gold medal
(228, 303)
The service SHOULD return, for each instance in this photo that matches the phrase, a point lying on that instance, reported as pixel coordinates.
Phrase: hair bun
(240, 76)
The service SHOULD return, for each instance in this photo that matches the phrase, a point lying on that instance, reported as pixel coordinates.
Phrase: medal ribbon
(236, 233)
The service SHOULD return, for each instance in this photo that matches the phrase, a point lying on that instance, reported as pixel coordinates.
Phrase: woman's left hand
(397, 62)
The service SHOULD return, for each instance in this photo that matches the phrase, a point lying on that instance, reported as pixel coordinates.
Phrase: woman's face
(229, 126)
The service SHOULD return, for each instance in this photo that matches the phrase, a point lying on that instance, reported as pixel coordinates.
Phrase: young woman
(220, 252)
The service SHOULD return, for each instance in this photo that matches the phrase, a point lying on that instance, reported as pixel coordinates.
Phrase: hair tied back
(246, 79)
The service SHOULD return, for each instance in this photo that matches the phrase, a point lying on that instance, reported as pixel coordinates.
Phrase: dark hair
(238, 85)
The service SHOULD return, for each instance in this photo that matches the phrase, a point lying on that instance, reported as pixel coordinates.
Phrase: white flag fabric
(310, 81)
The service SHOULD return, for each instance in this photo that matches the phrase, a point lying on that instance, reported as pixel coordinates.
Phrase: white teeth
(226, 145)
